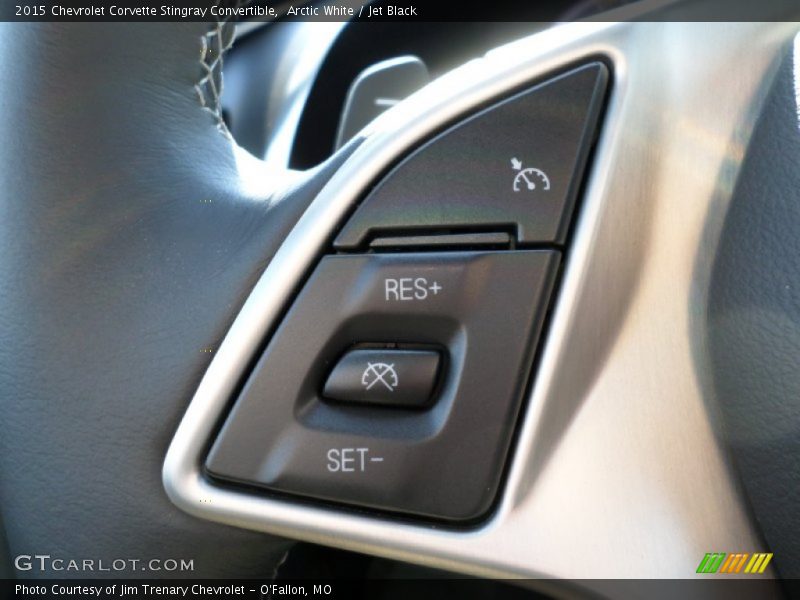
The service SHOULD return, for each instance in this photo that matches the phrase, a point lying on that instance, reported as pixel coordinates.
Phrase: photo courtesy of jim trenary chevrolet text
(376, 299)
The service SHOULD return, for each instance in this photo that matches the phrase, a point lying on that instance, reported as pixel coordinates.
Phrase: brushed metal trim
(796, 74)
(617, 472)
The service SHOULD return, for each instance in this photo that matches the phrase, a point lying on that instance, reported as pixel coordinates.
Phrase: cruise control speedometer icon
(379, 373)
(529, 178)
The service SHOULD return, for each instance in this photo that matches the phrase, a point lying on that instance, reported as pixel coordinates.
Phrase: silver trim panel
(617, 471)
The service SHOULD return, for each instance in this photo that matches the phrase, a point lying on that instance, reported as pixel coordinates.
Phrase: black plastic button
(484, 308)
(403, 378)
(516, 166)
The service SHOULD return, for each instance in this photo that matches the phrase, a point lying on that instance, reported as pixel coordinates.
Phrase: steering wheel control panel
(397, 375)
(515, 166)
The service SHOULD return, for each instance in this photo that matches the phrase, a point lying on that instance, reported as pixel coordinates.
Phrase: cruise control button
(516, 165)
(403, 378)
(484, 309)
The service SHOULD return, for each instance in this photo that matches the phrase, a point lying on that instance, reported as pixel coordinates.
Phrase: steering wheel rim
(133, 231)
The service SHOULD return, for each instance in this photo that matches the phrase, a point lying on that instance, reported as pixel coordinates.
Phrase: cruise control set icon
(379, 373)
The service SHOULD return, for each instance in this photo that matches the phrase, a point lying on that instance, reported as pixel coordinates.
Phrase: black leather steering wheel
(129, 241)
